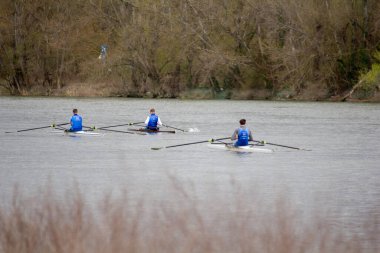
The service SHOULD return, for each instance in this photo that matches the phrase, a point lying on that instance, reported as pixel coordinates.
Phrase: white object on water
(79, 133)
(86, 133)
(243, 149)
(193, 130)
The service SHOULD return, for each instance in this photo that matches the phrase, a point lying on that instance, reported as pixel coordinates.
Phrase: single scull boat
(249, 148)
(152, 131)
(78, 133)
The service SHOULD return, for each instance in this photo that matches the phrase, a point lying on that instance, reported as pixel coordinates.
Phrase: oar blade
(157, 148)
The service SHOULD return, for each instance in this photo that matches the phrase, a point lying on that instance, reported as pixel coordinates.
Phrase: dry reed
(48, 223)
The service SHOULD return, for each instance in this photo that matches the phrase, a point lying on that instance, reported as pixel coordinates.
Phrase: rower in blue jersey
(242, 134)
(75, 122)
(153, 122)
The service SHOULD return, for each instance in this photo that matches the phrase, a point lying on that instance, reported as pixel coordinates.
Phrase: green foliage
(371, 79)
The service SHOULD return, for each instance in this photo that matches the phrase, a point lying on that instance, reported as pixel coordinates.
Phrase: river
(341, 173)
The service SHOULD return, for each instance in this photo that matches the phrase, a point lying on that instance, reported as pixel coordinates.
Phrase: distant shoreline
(102, 90)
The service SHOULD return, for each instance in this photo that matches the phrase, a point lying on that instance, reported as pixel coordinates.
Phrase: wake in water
(193, 130)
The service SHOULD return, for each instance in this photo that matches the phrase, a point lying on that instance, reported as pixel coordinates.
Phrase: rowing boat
(243, 149)
(78, 133)
(83, 133)
(152, 131)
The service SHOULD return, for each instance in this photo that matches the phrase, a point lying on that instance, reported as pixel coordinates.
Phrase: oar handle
(136, 123)
(219, 141)
(59, 127)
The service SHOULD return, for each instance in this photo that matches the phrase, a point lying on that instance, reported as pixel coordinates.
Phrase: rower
(153, 121)
(242, 134)
(75, 122)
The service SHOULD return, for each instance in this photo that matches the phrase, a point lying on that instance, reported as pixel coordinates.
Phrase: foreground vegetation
(303, 49)
(46, 223)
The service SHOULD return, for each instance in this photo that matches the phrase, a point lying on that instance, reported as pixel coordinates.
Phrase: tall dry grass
(52, 224)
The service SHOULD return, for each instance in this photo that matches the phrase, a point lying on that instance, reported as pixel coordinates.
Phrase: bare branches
(242, 44)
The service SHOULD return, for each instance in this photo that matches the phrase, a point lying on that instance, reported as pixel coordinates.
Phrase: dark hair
(152, 110)
(242, 121)
(75, 110)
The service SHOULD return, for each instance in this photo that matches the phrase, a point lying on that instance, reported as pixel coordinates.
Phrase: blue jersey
(243, 137)
(153, 120)
(76, 123)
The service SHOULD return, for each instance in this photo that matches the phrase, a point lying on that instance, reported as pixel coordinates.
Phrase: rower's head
(152, 111)
(242, 122)
(75, 111)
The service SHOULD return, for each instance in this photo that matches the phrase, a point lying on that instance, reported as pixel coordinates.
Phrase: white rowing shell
(79, 133)
(249, 148)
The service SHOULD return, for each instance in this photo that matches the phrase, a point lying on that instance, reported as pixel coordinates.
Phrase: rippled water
(340, 174)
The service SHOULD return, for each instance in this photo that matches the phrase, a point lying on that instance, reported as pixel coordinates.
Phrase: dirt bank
(312, 93)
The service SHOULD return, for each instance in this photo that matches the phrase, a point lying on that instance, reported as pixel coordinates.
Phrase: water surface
(340, 174)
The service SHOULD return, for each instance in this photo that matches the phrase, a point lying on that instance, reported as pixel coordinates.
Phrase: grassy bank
(46, 223)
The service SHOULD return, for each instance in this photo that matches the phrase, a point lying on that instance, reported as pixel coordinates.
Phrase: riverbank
(312, 93)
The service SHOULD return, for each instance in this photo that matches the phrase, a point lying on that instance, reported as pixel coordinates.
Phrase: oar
(111, 130)
(279, 145)
(60, 128)
(174, 128)
(36, 128)
(119, 131)
(126, 124)
(190, 143)
(221, 142)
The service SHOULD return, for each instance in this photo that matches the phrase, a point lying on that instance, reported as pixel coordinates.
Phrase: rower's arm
(250, 135)
(234, 135)
(147, 121)
(159, 122)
